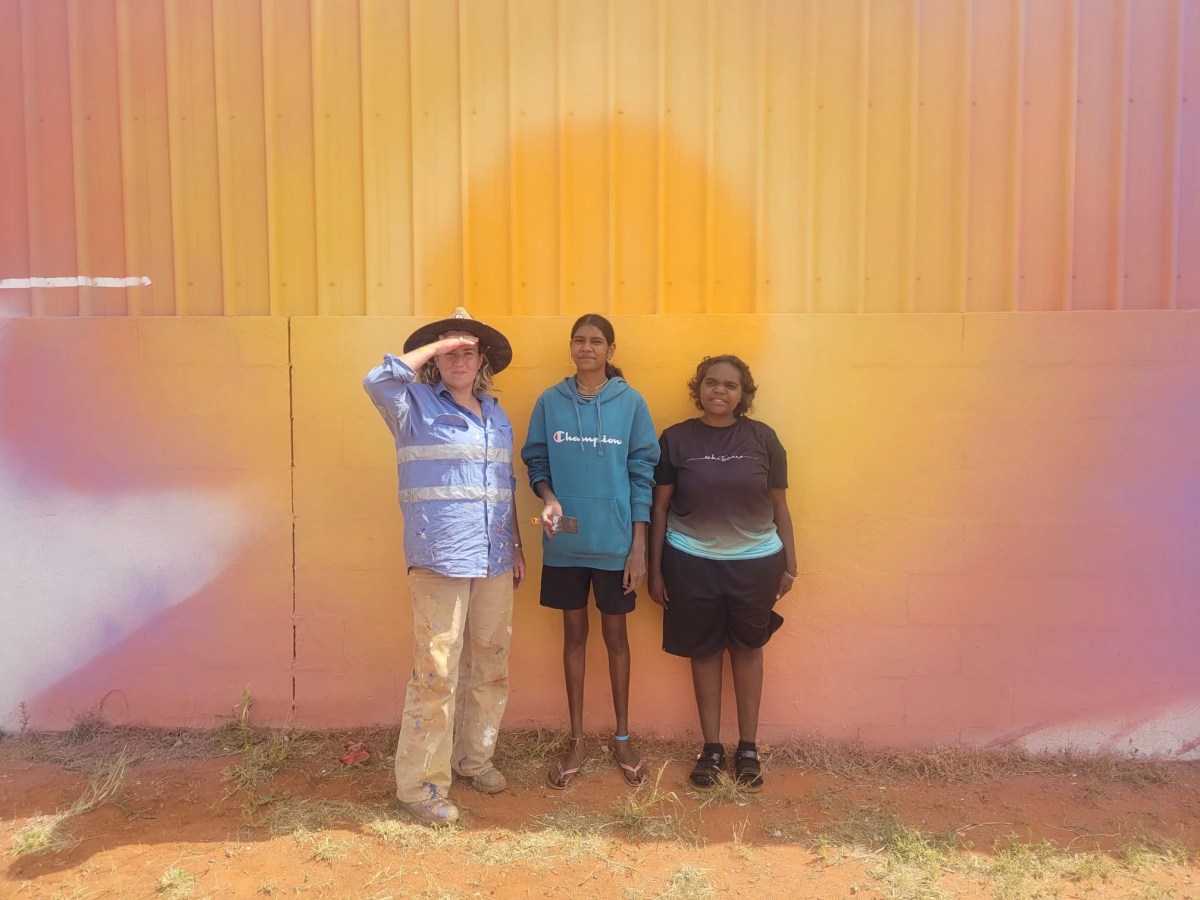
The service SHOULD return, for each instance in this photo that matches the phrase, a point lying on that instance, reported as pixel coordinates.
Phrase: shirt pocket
(448, 426)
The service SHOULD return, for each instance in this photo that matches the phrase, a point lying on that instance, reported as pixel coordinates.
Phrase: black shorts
(566, 587)
(714, 604)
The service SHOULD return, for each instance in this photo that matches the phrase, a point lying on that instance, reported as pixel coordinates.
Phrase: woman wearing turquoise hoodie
(591, 453)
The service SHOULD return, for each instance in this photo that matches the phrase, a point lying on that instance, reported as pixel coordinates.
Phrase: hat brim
(491, 341)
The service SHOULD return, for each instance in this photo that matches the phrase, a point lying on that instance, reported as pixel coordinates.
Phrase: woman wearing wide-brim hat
(454, 447)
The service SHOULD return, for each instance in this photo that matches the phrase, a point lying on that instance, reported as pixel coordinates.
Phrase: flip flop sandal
(561, 780)
(707, 770)
(635, 776)
(747, 771)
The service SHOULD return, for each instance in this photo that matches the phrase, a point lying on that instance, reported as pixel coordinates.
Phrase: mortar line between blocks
(292, 495)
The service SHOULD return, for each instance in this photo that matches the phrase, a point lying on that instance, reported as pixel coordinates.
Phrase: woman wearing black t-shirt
(721, 554)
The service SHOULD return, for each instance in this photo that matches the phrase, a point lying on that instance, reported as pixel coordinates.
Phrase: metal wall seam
(464, 155)
(964, 179)
(660, 207)
(1072, 129)
(1015, 167)
(914, 156)
(1171, 226)
(863, 137)
(560, 168)
(1121, 183)
(225, 219)
(709, 141)
(171, 28)
(756, 281)
(610, 165)
(810, 204)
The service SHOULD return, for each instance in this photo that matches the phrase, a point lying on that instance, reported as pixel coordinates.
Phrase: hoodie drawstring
(579, 424)
(599, 423)
(599, 427)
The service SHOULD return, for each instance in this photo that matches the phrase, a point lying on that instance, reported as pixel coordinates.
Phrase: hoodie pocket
(604, 529)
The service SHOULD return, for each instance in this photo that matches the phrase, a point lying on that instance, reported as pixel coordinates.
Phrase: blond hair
(429, 374)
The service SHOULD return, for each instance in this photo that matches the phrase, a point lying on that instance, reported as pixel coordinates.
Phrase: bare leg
(706, 680)
(575, 634)
(747, 666)
(616, 640)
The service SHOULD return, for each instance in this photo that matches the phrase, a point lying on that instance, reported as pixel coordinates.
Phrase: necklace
(587, 391)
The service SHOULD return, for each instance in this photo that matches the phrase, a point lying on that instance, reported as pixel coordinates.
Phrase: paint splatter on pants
(462, 629)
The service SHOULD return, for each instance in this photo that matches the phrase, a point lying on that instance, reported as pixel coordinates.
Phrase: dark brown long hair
(606, 329)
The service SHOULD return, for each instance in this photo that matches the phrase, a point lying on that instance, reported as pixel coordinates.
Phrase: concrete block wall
(996, 518)
(145, 518)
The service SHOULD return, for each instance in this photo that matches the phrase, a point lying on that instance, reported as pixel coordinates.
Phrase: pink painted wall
(996, 520)
(145, 518)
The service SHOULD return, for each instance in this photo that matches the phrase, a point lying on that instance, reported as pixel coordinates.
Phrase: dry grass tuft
(726, 790)
(560, 837)
(43, 834)
(909, 862)
(138, 743)
(650, 812)
(413, 838)
(525, 755)
(691, 883)
(49, 833)
(288, 814)
(328, 850)
(262, 759)
(177, 884)
(1145, 851)
(857, 762)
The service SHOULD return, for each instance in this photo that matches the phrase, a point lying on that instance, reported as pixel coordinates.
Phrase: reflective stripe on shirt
(455, 492)
(464, 452)
(454, 467)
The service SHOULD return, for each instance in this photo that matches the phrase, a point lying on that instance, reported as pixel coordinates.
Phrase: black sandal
(707, 769)
(747, 771)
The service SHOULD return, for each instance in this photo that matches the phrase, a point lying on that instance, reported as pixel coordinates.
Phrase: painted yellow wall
(995, 520)
(996, 500)
(533, 157)
(989, 511)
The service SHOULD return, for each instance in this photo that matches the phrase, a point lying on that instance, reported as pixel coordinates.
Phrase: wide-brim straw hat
(491, 341)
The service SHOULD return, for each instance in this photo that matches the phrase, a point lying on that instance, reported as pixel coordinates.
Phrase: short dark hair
(749, 388)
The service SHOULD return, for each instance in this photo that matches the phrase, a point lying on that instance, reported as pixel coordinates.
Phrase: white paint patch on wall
(80, 573)
(1173, 733)
(64, 281)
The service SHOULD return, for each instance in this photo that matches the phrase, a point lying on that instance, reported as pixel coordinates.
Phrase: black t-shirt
(721, 507)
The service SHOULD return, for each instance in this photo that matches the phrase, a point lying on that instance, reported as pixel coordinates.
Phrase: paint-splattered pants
(462, 629)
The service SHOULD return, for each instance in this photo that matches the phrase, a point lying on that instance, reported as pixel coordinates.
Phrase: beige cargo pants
(462, 630)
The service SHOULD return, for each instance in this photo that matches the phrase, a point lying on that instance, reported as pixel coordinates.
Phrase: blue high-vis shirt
(455, 474)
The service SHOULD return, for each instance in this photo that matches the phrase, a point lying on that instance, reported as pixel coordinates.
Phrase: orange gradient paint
(991, 422)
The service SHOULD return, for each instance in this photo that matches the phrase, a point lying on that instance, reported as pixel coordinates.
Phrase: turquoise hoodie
(599, 458)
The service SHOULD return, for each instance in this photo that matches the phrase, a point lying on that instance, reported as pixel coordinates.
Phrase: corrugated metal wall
(350, 157)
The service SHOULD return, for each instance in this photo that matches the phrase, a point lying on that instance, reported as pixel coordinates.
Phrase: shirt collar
(442, 391)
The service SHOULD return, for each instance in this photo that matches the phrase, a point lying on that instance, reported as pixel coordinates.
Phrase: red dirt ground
(817, 831)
